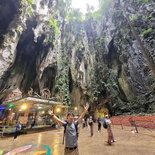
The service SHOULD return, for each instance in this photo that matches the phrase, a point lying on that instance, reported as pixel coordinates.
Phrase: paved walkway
(50, 143)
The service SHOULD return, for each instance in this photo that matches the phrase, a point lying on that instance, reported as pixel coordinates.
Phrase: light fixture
(24, 107)
(58, 109)
(11, 105)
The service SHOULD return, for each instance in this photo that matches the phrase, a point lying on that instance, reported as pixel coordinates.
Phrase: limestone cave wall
(106, 59)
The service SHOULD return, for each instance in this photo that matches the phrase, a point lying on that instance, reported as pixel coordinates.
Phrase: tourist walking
(86, 122)
(99, 124)
(71, 136)
(109, 130)
(90, 122)
(17, 130)
(33, 123)
(83, 123)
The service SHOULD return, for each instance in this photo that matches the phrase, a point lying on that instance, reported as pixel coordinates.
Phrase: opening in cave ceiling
(83, 5)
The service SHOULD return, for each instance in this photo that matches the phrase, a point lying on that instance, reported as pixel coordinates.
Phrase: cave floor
(128, 142)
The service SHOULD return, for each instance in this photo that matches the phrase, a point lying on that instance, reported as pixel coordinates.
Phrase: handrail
(2, 131)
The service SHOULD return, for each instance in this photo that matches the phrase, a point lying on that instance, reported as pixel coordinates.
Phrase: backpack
(76, 127)
(18, 127)
(105, 124)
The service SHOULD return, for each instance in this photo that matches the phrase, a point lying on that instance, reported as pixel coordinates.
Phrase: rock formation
(107, 59)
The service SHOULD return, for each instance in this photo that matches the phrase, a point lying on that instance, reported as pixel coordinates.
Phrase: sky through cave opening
(83, 4)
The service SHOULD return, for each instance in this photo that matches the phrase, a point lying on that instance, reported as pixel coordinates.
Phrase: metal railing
(2, 129)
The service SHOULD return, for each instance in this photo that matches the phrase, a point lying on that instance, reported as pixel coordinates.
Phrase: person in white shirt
(109, 130)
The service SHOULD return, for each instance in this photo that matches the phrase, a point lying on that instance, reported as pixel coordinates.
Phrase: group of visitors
(71, 129)
(71, 133)
(108, 127)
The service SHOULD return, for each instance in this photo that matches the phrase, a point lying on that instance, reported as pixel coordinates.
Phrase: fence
(136, 122)
(2, 129)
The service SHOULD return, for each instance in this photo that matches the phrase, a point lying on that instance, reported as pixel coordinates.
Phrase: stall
(30, 110)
